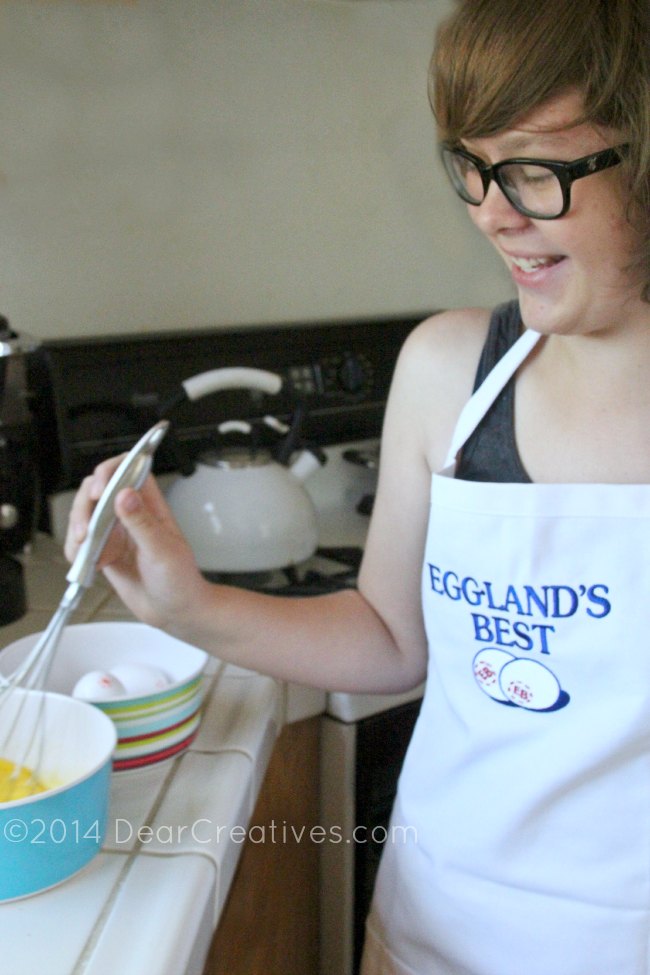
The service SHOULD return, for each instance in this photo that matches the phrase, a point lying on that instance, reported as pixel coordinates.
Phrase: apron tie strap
(481, 401)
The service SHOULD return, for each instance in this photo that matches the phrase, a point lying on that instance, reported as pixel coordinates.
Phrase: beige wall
(170, 163)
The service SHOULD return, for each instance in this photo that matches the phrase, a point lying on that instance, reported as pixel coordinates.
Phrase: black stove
(330, 569)
(94, 397)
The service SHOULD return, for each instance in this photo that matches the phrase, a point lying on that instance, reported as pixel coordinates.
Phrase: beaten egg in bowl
(17, 782)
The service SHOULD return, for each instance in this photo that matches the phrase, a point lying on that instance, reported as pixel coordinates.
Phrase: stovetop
(331, 568)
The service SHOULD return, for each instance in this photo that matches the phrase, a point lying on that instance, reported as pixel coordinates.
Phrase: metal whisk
(32, 672)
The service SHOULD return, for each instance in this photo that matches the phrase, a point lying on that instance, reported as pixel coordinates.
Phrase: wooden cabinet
(269, 925)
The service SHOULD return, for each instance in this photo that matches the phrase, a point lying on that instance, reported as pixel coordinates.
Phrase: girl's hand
(146, 558)
(83, 505)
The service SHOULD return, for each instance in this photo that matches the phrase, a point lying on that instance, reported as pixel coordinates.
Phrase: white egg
(98, 685)
(141, 679)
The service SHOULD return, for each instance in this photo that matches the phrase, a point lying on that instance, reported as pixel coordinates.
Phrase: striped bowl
(149, 728)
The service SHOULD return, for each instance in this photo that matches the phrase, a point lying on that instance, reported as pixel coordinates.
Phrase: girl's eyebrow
(520, 143)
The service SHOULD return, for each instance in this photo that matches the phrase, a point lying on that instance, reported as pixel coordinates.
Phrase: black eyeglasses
(538, 188)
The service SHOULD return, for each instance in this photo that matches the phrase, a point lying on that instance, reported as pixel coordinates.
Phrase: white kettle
(240, 509)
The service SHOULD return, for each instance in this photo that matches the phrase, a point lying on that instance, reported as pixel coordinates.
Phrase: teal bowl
(48, 837)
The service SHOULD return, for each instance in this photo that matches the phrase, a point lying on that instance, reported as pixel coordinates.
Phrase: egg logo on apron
(512, 621)
(515, 680)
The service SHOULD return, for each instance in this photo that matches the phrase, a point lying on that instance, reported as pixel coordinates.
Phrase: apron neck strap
(481, 401)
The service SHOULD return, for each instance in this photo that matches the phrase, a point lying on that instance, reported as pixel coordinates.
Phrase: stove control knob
(352, 374)
(8, 516)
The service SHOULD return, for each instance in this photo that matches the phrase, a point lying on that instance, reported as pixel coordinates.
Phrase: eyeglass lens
(531, 187)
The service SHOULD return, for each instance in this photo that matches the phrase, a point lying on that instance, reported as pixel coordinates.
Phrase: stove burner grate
(331, 569)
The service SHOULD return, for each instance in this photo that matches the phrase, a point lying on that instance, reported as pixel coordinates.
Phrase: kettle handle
(238, 377)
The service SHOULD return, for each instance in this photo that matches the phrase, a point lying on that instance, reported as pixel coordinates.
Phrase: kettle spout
(306, 462)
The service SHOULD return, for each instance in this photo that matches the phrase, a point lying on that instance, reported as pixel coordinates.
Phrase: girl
(505, 554)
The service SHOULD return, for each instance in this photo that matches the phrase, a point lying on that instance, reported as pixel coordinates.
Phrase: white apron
(520, 839)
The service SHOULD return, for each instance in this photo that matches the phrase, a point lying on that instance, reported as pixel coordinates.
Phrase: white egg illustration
(530, 684)
(98, 685)
(141, 679)
(487, 666)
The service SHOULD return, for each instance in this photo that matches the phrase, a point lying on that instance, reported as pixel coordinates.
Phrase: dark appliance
(18, 470)
(382, 740)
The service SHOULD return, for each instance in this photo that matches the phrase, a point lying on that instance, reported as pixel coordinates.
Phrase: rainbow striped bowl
(151, 727)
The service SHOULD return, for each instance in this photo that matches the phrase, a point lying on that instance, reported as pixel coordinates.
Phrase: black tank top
(490, 454)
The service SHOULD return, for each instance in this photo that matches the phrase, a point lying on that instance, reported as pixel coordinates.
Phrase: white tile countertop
(149, 902)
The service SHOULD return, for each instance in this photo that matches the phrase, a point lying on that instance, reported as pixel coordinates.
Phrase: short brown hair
(495, 61)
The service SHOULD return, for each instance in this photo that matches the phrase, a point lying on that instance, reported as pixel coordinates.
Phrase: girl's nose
(497, 213)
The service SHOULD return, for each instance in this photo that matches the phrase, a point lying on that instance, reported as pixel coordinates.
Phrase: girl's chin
(545, 316)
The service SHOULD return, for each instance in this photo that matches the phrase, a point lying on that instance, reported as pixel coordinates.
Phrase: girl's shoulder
(435, 373)
(443, 351)
(452, 334)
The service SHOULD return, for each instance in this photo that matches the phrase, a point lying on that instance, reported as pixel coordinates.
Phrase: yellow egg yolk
(17, 785)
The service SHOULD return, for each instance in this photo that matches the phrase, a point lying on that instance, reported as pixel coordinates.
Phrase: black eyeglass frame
(566, 172)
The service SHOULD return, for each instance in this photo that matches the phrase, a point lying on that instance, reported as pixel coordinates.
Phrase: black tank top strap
(490, 454)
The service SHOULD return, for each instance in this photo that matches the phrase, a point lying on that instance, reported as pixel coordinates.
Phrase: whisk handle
(131, 472)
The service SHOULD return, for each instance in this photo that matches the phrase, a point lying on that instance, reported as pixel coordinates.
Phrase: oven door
(360, 764)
